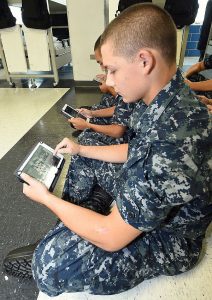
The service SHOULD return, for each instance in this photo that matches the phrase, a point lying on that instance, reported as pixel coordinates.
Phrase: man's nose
(109, 80)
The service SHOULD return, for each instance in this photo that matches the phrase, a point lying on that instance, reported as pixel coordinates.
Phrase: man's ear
(146, 60)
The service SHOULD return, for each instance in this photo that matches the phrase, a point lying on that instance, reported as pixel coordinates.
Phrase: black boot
(18, 262)
(76, 133)
(99, 201)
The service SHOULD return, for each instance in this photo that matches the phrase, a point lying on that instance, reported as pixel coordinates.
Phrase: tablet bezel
(55, 171)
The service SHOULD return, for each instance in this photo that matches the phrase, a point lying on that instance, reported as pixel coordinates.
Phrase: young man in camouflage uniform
(116, 131)
(111, 111)
(84, 173)
(163, 198)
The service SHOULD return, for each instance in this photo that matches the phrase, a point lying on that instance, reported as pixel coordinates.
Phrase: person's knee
(57, 265)
(45, 271)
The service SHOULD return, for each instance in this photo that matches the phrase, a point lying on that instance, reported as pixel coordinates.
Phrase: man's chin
(126, 100)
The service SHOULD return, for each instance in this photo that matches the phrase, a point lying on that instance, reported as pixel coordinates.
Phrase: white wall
(113, 6)
(201, 11)
(86, 23)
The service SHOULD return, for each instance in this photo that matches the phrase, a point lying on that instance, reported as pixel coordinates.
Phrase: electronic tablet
(70, 112)
(42, 165)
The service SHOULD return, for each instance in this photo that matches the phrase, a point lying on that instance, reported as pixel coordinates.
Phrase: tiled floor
(26, 117)
(21, 109)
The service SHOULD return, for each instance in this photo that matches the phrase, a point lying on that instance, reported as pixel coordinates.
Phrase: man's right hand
(67, 146)
(86, 112)
(205, 100)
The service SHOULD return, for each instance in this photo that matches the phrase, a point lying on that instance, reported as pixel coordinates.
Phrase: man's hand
(209, 108)
(67, 146)
(79, 123)
(86, 112)
(188, 82)
(34, 189)
(205, 100)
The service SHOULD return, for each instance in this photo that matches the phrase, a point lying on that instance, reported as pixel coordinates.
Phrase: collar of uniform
(145, 117)
(163, 98)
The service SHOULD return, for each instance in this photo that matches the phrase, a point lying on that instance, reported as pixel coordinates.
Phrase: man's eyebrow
(108, 67)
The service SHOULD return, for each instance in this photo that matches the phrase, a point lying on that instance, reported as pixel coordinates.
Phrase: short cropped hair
(142, 26)
(97, 43)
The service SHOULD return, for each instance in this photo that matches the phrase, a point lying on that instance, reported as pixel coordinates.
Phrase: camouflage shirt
(163, 190)
(121, 116)
(165, 184)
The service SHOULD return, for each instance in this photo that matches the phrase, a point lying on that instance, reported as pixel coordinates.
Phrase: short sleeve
(153, 183)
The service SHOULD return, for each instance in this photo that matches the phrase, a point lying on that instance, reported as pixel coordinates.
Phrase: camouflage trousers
(63, 262)
(84, 173)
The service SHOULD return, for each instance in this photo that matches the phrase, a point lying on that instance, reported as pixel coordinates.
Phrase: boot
(76, 133)
(99, 201)
(18, 262)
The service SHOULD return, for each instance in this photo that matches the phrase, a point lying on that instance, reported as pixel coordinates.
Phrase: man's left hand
(79, 123)
(34, 189)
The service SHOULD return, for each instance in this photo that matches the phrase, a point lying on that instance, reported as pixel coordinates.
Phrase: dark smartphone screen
(73, 113)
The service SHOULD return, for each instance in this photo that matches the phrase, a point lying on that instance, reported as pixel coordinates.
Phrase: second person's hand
(86, 112)
(79, 123)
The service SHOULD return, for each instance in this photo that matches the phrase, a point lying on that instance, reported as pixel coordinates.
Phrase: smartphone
(70, 112)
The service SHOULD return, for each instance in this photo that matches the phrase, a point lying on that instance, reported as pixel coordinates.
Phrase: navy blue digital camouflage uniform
(107, 101)
(164, 190)
(91, 171)
(121, 116)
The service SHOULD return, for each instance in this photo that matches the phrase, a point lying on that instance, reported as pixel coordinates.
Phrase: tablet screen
(41, 162)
